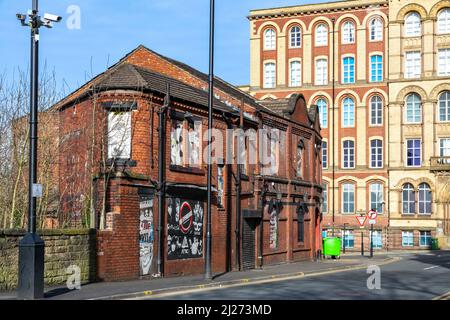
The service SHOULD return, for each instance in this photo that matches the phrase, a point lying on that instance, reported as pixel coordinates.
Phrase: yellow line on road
(246, 282)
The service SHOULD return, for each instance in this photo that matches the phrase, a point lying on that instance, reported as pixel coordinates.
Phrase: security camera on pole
(31, 247)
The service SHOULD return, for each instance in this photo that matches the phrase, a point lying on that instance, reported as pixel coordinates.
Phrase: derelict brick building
(149, 112)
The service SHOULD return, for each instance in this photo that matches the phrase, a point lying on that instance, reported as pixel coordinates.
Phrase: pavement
(138, 289)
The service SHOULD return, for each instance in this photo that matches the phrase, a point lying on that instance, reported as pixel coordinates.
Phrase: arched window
(269, 75)
(444, 106)
(348, 35)
(348, 153)
(376, 29)
(376, 110)
(323, 112)
(443, 21)
(321, 35)
(413, 108)
(296, 37)
(270, 39)
(413, 25)
(408, 199)
(348, 198)
(295, 74)
(348, 113)
(424, 199)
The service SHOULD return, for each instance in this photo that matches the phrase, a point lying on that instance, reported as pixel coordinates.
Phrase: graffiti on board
(146, 236)
(273, 227)
(184, 229)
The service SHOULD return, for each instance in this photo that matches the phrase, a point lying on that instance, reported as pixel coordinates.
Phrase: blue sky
(112, 28)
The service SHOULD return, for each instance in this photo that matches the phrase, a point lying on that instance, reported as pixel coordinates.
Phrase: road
(415, 276)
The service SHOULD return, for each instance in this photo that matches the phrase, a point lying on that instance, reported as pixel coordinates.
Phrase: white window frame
(323, 112)
(409, 199)
(379, 151)
(348, 32)
(347, 152)
(376, 188)
(348, 69)
(273, 82)
(378, 104)
(444, 100)
(295, 36)
(426, 236)
(444, 147)
(408, 235)
(376, 29)
(424, 202)
(321, 72)
(378, 67)
(413, 65)
(406, 153)
(295, 82)
(413, 25)
(350, 189)
(324, 154)
(270, 39)
(348, 121)
(416, 108)
(443, 62)
(321, 36)
(443, 21)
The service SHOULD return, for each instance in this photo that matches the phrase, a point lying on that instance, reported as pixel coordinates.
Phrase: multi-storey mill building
(419, 122)
(358, 63)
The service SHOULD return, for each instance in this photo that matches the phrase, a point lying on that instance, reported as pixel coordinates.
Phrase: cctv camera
(52, 17)
(21, 16)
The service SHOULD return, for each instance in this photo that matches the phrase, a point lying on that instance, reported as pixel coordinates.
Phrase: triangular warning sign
(361, 220)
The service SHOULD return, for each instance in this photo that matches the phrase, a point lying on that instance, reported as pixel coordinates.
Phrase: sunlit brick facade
(297, 42)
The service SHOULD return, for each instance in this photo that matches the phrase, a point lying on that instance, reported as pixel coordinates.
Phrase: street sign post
(373, 214)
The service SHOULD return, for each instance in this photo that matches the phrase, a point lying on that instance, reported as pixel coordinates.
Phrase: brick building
(335, 53)
(112, 133)
(379, 71)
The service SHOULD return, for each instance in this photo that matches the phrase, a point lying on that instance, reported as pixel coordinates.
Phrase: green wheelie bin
(332, 247)
(434, 244)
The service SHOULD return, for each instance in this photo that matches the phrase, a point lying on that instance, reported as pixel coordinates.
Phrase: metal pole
(362, 243)
(31, 247)
(371, 240)
(208, 273)
(332, 132)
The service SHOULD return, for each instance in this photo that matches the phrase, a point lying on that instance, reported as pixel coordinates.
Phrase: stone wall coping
(50, 232)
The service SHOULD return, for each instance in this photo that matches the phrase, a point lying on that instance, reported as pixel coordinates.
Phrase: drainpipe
(261, 233)
(161, 182)
(238, 216)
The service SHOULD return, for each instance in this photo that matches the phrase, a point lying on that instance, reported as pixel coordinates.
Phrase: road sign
(372, 215)
(361, 220)
(372, 221)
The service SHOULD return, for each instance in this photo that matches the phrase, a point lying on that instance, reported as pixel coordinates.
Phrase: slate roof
(128, 76)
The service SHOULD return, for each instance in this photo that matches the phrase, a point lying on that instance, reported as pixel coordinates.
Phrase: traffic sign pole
(371, 240)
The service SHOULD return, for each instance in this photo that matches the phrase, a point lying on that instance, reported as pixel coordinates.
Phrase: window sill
(121, 162)
(192, 170)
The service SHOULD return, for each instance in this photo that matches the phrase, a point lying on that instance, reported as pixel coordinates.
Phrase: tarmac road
(416, 276)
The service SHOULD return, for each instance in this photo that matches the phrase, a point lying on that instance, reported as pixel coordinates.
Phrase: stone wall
(62, 249)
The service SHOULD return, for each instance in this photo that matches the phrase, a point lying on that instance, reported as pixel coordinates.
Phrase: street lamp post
(208, 272)
(31, 247)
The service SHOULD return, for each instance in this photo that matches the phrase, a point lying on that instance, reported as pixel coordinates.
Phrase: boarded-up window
(176, 143)
(119, 135)
(193, 143)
